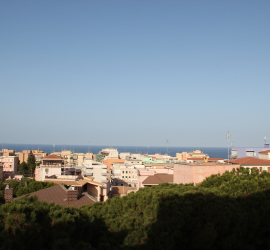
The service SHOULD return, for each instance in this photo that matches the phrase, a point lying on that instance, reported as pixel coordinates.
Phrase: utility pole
(228, 139)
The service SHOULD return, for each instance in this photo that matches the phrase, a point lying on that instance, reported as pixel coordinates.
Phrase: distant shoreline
(215, 152)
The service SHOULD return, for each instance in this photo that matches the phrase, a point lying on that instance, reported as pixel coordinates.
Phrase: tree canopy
(224, 211)
(29, 167)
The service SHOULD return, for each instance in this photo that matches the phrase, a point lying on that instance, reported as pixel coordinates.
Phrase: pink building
(196, 173)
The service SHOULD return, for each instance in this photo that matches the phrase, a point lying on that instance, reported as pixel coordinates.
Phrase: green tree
(29, 167)
(23, 168)
(31, 161)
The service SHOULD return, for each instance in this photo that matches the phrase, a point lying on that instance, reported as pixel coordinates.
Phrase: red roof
(196, 159)
(215, 159)
(264, 152)
(250, 161)
(158, 179)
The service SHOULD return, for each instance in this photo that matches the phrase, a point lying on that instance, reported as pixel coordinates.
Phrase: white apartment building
(95, 169)
(130, 162)
(51, 165)
(123, 175)
(136, 156)
(124, 155)
(109, 153)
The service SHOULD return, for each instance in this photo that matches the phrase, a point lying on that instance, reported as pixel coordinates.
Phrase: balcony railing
(105, 174)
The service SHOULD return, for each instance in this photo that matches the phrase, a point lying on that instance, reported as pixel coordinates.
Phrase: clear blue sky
(135, 72)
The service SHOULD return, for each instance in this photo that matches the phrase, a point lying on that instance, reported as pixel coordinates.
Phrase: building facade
(10, 166)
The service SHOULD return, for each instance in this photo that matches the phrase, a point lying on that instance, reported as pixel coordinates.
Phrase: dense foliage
(23, 186)
(27, 168)
(225, 211)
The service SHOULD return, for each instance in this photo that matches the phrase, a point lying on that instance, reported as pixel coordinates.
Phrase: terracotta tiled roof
(215, 159)
(158, 179)
(250, 161)
(58, 195)
(264, 152)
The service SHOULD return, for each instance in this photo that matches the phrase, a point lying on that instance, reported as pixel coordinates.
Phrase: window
(249, 153)
(234, 152)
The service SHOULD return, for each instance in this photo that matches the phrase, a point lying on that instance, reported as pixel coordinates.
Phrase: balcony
(105, 174)
(51, 165)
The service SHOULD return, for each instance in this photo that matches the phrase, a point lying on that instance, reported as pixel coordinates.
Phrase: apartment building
(109, 153)
(51, 165)
(70, 158)
(265, 154)
(23, 156)
(252, 163)
(248, 152)
(197, 172)
(96, 170)
(10, 166)
(38, 155)
(7, 152)
(124, 155)
(125, 175)
(195, 154)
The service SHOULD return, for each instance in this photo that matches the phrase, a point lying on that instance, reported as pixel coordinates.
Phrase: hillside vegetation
(225, 211)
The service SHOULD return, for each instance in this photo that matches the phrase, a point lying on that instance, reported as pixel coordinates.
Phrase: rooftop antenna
(228, 139)
(167, 142)
(264, 140)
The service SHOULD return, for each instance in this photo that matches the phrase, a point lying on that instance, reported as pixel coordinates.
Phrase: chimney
(8, 194)
(72, 195)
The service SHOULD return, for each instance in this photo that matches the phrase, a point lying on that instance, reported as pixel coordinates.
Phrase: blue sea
(213, 152)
